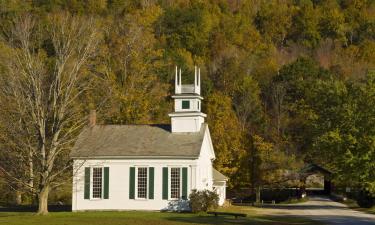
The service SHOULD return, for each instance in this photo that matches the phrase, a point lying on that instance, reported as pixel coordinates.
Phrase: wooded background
(285, 82)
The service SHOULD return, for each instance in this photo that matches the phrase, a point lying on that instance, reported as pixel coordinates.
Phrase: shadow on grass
(28, 208)
(343, 219)
(258, 220)
(302, 207)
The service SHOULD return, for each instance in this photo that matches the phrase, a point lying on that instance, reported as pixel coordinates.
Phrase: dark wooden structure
(311, 169)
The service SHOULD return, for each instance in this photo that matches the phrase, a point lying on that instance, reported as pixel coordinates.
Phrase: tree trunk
(18, 198)
(43, 201)
(257, 195)
(31, 169)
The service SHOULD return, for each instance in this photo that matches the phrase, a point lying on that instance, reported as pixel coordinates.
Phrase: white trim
(188, 96)
(170, 182)
(192, 181)
(136, 183)
(187, 114)
(211, 147)
(92, 183)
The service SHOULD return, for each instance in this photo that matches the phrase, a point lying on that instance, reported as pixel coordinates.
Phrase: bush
(202, 201)
(365, 200)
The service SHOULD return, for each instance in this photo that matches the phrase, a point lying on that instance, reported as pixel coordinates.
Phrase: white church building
(147, 167)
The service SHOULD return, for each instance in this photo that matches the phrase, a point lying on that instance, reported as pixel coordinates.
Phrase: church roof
(137, 141)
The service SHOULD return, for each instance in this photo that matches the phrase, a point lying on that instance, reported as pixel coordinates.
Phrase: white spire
(187, 115)
(197, 80)
(199, 77)
(195, 75)
(177, 82)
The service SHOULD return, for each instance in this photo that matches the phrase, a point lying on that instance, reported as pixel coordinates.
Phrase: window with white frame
(142, 182)
(97, 181)
(175, 182)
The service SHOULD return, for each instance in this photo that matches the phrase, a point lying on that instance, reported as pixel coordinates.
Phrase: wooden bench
(227, 214)
(273, 202)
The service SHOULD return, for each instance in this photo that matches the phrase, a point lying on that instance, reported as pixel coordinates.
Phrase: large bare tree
(44, 76)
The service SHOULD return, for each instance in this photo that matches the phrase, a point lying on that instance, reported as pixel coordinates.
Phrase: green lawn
(147, 218)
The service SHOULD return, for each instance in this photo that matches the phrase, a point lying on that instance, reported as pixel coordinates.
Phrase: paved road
(324, 210)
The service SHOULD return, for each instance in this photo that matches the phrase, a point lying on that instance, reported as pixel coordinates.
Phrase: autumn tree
(45, 75)
(274, 21)
(128, 66)
(272, 166)
(226, 137)
(305, 24)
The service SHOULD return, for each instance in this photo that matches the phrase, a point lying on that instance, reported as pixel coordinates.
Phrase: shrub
(365, 200)
(201, 201)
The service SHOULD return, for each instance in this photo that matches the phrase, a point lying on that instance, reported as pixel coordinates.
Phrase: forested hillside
(285, 82)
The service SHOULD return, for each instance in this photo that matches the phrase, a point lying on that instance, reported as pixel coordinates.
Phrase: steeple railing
(188, 88)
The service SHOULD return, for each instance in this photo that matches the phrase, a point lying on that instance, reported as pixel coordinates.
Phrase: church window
(175, 183)
(142, 182)
(185, 104)
(97, 182)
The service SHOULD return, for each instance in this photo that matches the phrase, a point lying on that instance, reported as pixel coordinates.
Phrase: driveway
(324, 210)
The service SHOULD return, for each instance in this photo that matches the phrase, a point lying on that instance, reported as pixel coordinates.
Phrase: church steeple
(187, 115)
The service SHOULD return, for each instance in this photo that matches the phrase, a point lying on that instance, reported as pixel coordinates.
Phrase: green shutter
(165, 182)
(151, 183)
(87, 183)
(132, 183)
(106, 182)
(184, 182)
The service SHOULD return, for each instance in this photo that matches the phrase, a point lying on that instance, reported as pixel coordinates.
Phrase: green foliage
(305, 24)
(269, 164)
(202, 201)
(344, 133)
(335, 117)
(248, 105)
(365, 199)
(274, 21)
(332, 22)
(188, 27)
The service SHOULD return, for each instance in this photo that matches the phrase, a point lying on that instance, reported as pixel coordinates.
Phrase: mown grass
(147, 218)
(295, 200)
